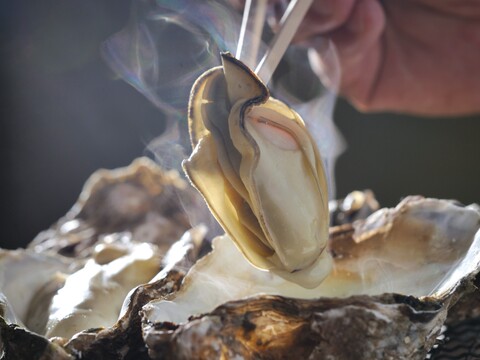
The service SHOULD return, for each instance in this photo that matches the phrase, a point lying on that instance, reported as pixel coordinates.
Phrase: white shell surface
(22, 274)
(443, 231)
(93, 296)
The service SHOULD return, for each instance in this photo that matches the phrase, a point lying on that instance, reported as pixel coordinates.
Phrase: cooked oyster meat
(260, 172)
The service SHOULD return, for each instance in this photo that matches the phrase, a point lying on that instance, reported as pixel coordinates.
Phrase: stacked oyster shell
(397, 275)
(76, 275)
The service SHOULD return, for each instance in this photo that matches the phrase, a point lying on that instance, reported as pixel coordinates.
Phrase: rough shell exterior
(269, 327)
(140, 201)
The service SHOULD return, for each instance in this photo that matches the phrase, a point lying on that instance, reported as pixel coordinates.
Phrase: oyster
(424, 247)
(260, 172)
(93, 296)
(28, 281)
(89, 304)
(141, 201)
(77, 275)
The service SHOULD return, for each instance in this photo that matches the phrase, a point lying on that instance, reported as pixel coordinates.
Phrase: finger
(323, 16)
(361, 30)
(358, 45)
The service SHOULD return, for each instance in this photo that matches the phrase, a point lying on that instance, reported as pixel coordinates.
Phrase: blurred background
(66, 114)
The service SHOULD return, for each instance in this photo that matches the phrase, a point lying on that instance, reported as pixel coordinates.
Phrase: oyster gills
(260, 173)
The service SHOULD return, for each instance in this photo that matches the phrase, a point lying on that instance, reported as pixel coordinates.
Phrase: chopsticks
(255, 23)
(289, 24)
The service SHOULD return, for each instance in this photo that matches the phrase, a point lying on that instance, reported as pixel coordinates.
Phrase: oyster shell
(260, 172)
(62, 295)
(93, 296)
(387, 326)
(124, 339)
(381, 254)
(28, 281)
(141, 201)
(357, 205)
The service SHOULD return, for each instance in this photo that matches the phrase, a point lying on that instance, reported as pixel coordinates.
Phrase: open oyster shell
(100, 306)
(424, 247)
(76, 275)
(28, 281)
(141, 201)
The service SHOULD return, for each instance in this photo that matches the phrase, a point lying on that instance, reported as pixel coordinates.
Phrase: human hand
(410, 56)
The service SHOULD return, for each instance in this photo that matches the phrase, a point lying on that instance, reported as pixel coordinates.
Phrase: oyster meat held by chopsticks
(260, 172)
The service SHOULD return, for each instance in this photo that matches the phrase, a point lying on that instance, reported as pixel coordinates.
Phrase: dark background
(64, 115)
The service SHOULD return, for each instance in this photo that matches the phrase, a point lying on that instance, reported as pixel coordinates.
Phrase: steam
(167, 44)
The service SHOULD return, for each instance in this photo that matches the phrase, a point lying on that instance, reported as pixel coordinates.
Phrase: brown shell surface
(388, 326)
(140, 201)
(270, 327)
